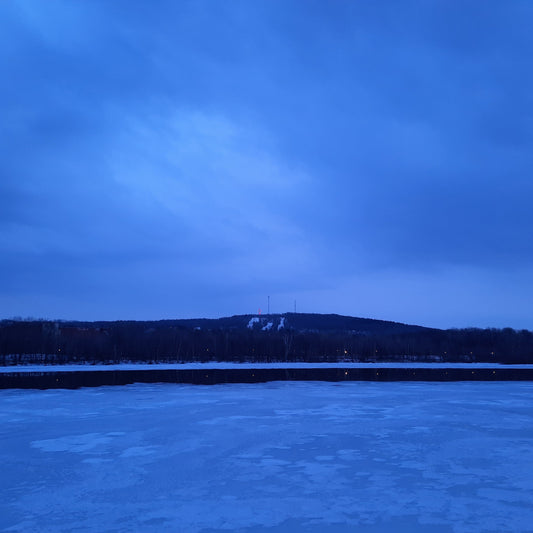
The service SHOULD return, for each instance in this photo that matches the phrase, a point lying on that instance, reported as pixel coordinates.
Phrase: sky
(179, 159)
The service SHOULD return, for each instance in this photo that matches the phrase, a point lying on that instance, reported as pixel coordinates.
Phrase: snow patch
(253, 320)
(268, 327)
(138, 451)
(73, 443)
(281, 324)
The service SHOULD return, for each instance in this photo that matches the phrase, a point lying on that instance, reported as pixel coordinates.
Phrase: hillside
(299, 322)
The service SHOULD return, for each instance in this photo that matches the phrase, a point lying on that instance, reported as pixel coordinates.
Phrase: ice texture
(277, 457)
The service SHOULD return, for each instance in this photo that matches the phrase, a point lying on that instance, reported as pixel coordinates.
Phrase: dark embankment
(211, 376)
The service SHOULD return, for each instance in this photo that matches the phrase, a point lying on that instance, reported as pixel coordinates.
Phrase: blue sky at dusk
(178, 159)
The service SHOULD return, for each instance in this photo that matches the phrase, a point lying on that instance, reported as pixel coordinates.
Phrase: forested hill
(298, 322)
(262, 338)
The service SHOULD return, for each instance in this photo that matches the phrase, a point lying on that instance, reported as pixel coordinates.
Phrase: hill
(299, 322)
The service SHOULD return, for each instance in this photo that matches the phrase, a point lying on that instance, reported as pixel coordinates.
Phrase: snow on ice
(277, 457)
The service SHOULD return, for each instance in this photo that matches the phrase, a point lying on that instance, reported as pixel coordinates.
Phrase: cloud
(224, 150)
(215, 181)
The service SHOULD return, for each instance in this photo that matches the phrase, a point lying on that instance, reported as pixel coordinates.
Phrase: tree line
(53, 342)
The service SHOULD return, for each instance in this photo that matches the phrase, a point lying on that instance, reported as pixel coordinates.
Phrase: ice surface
(278, 457)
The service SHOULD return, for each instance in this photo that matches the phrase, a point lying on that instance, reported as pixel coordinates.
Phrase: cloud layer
(191, 158)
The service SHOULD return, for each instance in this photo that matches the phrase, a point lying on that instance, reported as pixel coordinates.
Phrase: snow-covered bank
(229, 366)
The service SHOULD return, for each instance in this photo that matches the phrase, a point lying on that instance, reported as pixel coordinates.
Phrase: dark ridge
(304, 322)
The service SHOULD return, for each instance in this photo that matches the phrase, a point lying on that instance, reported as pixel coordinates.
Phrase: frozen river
(277, 457)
